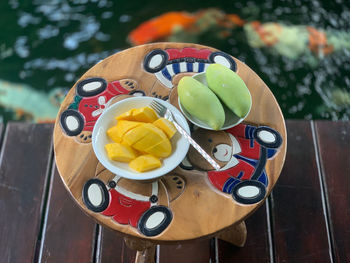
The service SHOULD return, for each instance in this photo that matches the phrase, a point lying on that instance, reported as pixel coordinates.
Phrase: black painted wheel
(91, 87)
(72, 122)
(95, 195)
(155, 220)
(267, 137)
(249, 192)
(223, 59)
(155, 61)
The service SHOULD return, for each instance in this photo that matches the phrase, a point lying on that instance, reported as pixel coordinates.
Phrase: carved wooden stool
(192, 201)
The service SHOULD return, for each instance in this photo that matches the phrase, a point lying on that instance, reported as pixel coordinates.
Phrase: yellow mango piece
(135, 134)
(162, 149)
(145, 163)
(120, 153)
(126, 115)
(153, 136)
(166, 126)
(147, 133)
(113, 134)
(145, 114)
(123, 126)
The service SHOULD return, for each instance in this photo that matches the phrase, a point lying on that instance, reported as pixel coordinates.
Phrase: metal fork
(166, 113)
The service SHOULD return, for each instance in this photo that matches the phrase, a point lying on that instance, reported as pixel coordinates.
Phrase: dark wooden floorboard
(334, 145)
(113, 248)
(69, 234)
(193, 252)
(24, 166)
(300, 232)
(299, 227)
(256, 249)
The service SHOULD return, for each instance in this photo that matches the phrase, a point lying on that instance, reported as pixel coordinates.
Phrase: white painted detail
(156, 61)
(195, 66)
(102, 101)
(163, 79)
(235, 144)
(267, 136)
(138, 94)
(186, 162)
(155, 188)
(248, 191)
(222, 61)
(205, 67)
(131, 194)
(236, 148)
(223, 152)
(72, 123)
(183, 67)
(95, 195)
(92, 86)
(155, 220)
(170, 70)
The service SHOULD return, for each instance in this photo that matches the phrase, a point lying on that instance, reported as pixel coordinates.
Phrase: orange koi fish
(160, 27)
(291, 41)
(165, 25)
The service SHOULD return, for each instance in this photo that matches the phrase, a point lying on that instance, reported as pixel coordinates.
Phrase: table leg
(236, 234)
(145, 249)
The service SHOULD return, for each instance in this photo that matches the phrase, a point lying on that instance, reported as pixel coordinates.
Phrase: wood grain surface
(22, 184)
(69, 235)
(113, 248)
(296, 230)
(334, 153)
(299, 235)
(201, 210)
(257, 241)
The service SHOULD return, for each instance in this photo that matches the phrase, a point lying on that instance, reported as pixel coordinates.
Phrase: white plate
(231, 119)
(107, 119)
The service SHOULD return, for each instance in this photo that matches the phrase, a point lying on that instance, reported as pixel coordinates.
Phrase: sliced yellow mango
(147, 132)
(123, 126)
(162, 149)
(166, 126)
(126, 115)
(145, 114)
(134, 135)
(120, 153)
(145, 163)
(113, 134)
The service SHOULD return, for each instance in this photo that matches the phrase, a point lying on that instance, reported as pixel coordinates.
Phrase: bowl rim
(201, 78)
(129, 174)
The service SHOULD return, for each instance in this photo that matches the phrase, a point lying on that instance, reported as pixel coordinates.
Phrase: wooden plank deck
(304, 220)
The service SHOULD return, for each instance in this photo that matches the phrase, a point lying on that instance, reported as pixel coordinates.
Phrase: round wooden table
(192, 201)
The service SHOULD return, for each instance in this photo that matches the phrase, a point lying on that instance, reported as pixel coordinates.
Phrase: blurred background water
(46, 45)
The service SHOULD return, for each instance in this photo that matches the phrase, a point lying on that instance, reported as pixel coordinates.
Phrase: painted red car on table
(93, 96)
(125, 207)
(243, 152)
(167, 63)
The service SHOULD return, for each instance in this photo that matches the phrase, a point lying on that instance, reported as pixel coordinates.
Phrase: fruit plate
(231, 119)
(107, 119)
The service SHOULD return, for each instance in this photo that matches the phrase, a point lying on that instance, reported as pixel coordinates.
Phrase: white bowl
(231, 119)
(107, 119)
